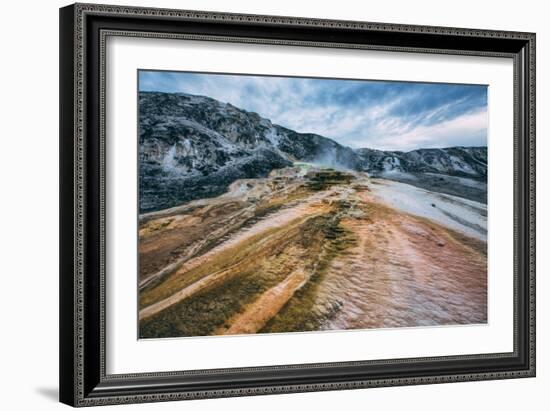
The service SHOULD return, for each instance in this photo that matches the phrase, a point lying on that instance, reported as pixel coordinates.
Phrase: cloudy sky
(376, 114)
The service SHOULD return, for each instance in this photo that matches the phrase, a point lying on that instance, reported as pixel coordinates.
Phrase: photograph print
(272, 204)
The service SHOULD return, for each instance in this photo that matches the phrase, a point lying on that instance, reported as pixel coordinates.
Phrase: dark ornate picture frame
(83, 32)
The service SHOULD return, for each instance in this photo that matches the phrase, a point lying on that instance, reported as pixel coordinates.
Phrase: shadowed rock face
(194, 147)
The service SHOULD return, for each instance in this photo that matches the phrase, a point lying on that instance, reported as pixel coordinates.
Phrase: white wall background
(29, 204)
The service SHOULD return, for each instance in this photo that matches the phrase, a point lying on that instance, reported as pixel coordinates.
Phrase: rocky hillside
(193, 147)
(457, 161)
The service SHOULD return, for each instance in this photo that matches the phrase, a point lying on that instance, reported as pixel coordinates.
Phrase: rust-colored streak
(256, 316)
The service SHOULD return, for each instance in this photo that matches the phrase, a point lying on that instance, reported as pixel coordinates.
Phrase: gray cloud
(376, 114)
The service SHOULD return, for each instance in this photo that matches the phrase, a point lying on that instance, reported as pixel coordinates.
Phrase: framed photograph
(261, 204)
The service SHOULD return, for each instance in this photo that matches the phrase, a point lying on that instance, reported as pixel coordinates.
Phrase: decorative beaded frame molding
(83, 380)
